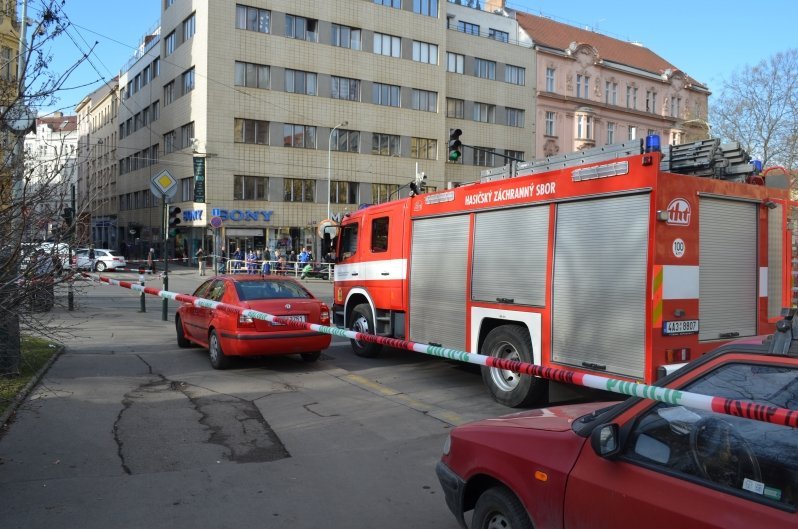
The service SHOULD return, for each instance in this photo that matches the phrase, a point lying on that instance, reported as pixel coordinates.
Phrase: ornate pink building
(594, 90)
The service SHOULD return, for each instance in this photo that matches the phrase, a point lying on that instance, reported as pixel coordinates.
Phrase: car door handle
(386, 273)
(354, 274)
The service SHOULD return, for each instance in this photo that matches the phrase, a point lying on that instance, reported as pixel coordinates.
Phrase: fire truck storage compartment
(775, 261)
(510, 249)
(437, 281)
(727, 273)
(599, 286)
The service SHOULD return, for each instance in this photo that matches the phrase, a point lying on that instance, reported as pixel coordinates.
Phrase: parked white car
(104, 259)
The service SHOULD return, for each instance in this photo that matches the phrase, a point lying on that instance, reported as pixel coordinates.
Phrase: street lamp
(329, 164)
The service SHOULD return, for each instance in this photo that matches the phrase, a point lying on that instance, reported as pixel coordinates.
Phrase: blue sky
(707, 39)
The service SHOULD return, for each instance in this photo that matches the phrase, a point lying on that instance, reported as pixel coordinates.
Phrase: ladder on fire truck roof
(707, 158)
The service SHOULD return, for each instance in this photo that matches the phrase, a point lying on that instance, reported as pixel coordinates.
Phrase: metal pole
(141, 282)
(165, 303)
(71, 230)
(329, 164)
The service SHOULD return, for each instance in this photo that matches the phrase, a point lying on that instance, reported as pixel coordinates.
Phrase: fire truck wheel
(363, 322)
(511, 342)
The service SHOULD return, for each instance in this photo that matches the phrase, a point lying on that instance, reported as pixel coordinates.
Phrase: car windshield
(268, 289)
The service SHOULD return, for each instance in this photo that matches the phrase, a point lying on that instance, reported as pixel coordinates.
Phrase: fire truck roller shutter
(775, 265)
(727, 272)
(599, 287)
(510, 249)
(438, 281)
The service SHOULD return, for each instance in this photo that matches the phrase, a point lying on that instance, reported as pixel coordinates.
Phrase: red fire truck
(620, 260)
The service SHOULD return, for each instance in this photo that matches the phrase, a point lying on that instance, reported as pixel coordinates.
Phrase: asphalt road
(126, 430)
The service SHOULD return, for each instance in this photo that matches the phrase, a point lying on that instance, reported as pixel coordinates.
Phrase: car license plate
(294, 317)
(675, 328)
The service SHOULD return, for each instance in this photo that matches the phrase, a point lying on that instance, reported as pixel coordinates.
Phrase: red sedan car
(227, 334)
(638, 463)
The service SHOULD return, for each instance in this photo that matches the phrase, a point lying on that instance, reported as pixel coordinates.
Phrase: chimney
(494, 5)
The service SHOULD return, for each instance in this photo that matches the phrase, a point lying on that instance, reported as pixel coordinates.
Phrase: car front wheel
(498, 508)
(218, 359)
(362, 322)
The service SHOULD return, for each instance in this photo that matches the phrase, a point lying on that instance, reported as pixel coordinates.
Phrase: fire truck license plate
(672, 328)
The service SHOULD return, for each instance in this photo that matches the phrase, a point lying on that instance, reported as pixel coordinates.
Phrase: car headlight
(447, 445)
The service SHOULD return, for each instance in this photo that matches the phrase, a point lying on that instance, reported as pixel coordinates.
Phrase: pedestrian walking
(92, 258)
(238, 260)
(252, 262)
(201, 261)
(151, 260)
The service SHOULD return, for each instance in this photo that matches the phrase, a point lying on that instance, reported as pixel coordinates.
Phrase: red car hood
(553, 419)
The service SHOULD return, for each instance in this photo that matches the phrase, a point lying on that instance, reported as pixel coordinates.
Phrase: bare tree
(758, 107)
(33, 196)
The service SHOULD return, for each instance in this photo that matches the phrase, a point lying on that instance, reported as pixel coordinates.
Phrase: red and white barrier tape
(738, 408)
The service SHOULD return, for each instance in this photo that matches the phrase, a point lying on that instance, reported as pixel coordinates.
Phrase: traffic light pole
(165, 303)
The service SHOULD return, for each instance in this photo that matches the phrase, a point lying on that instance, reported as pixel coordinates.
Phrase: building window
(301, 136)
(518, 155)
(154, 154)
(515, 117)
(396, 4)
(129, 127)
(455, 108)
(345, 88)
(251, 75)
(298, 82)
(383, 192)
(651, 101)
(676, 107)
(136, 121)
(468, 27)
(583, 86)
(168, 3)
(676, 138)
(169, 142)
(387, 45)
(344, 192)
(189, 27)
(250, 187)
(610, 132)
(250, 131)
(301, 28)
(632, 132)
(299, 190)
(346, 37)
(156, 112)
(425, 100)
(137, 83)
(187, 189)
(427, 8)
(501, 36)
(145, 75)
(345, 140)
(611, 93)
(631, 97)
(484, 112)
(168, 92)
(169, 44)
(652, 132)
(485, 69)
(425, 52)
(584, 127)
(549, 124)
(385, 94)
(5, 63)
(514, 74)
(424, 148)
(483, 156)
(188, 81)
(454, 62)
(385, 144)
(156, 67)
(186, 135)
(252, 19)
(550, 79)
(145, 117)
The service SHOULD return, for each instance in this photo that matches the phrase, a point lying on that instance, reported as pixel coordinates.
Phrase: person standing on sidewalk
(201, 260)
(151, 261)
(92, 258)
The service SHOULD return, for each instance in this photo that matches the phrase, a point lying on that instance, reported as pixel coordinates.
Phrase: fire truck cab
(620, 260)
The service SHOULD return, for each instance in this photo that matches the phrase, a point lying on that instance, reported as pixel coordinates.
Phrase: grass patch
(36, 352)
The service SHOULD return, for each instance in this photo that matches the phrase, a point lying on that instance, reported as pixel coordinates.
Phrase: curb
(7, 415)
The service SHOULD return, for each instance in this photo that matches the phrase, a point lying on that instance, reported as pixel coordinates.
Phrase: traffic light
(454, 145)
(174, 220)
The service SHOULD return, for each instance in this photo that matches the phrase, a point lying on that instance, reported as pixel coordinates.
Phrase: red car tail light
(245, 321)
(325, 315)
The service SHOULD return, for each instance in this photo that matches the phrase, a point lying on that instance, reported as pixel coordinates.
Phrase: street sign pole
(164, 185)
(165, 302)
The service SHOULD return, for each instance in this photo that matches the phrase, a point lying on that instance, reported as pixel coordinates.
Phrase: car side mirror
(605, 440)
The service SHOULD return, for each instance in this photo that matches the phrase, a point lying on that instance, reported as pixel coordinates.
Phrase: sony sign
(246, 215)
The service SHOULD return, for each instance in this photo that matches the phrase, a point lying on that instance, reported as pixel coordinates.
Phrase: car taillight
(245, 321)
(325, 315)
(675, 356)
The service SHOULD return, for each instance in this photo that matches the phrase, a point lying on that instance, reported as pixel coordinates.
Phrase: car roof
(258, 277)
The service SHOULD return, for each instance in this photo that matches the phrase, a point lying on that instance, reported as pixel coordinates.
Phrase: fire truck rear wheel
(511, 342)
(363, 322)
